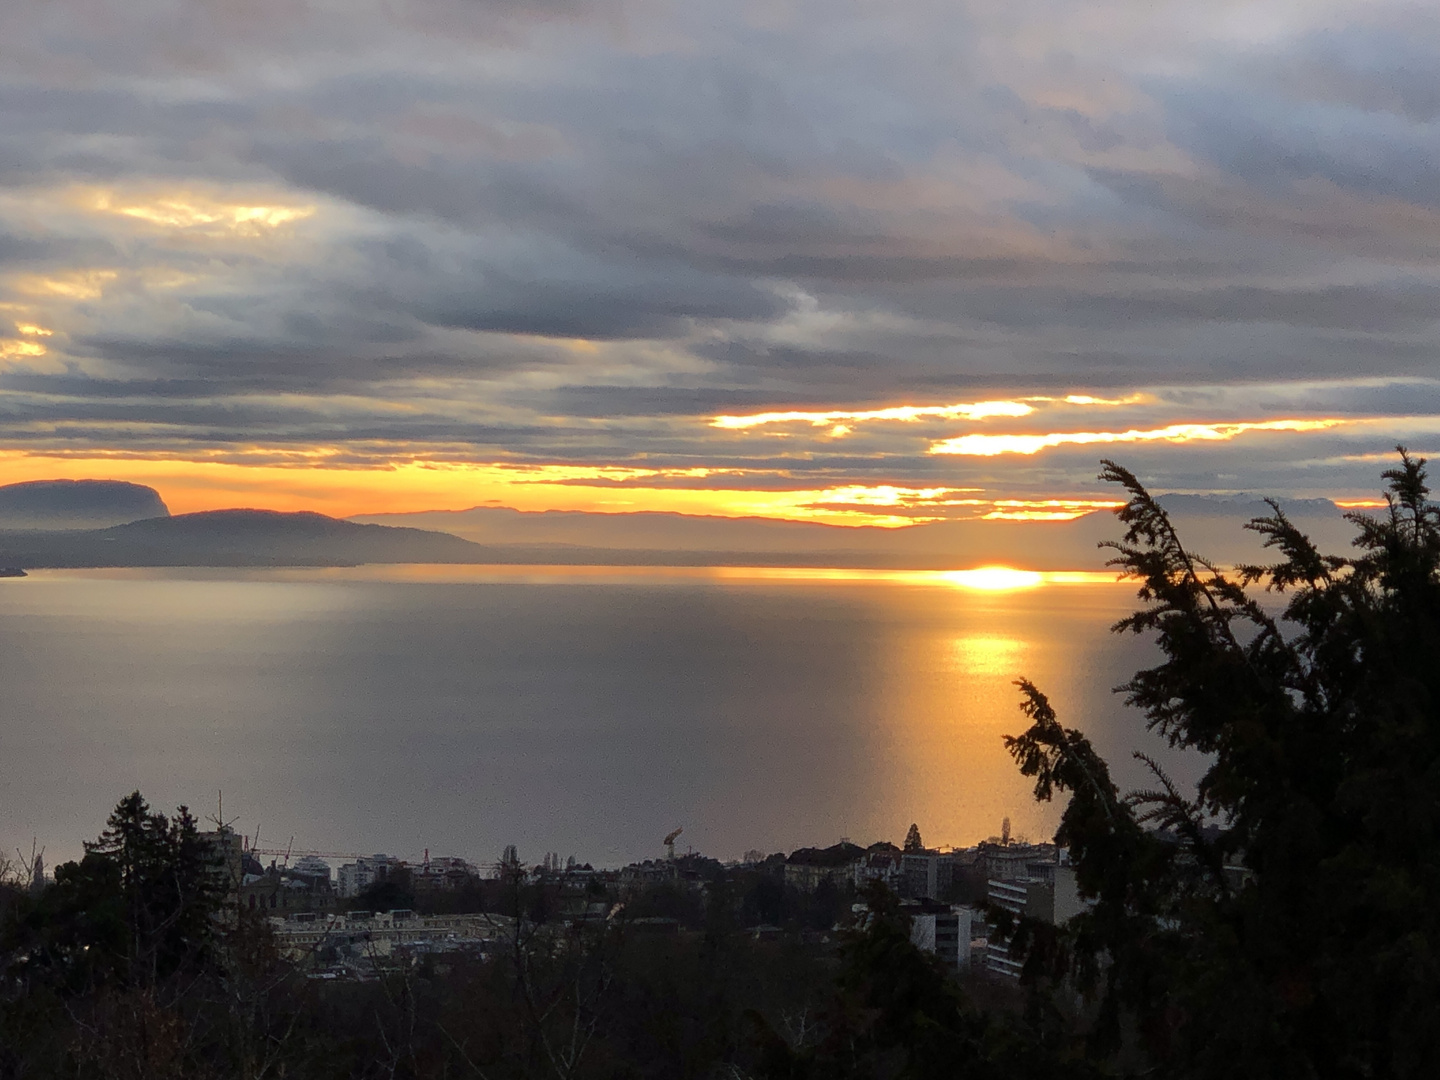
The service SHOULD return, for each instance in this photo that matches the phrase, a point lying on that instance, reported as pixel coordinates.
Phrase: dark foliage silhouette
(1283, 921)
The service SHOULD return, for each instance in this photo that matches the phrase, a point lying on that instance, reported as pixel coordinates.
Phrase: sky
(862, 263)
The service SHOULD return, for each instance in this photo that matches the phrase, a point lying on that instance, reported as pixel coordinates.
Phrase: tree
(1285, 920)
(135, 909)
(899, 1012)
(389, 893)
(912, 839)
(168, 884)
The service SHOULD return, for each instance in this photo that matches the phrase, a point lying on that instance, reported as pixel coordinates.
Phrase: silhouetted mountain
(77, 504)
(270, 538)
(236, 538)
(1215, 525)
(1245, 506)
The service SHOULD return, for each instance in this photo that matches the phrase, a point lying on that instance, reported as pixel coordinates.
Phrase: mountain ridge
(257, 537)
(77, 504)
(239, 537)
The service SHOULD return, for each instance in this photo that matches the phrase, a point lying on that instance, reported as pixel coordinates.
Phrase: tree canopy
(1285, 919)
(136, 908)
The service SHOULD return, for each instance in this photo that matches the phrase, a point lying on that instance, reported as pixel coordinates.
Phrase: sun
(995, 578)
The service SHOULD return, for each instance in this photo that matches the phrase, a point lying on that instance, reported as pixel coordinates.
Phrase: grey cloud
(1375, 69)
(1275, 144)
(32, 251)
(660, 401)
(589, 299)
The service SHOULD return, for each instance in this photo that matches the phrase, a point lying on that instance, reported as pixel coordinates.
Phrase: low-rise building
(926, 874)
(441, 875)
(807, 868)
(312, 868)
(1011, 861)
(354, 878)
(361, 935)
(944, 930)
(1048, 893)
(882, 862)
(284, 889)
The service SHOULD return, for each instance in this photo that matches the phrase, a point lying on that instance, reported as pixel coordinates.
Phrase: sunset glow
(192, 210)
(1046, 509)
(312, 484)
(995, 578)
(993, 445)
(978, 410)
(13, 347)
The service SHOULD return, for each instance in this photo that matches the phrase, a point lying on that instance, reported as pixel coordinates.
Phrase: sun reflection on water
(990, 655)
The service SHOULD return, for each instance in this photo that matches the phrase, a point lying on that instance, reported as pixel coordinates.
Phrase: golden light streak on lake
(984, 579)
(991, 655)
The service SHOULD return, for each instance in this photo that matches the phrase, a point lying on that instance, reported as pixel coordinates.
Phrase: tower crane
(670, 843)
(286, 852)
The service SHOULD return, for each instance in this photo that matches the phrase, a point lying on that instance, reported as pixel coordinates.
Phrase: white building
(1048, 892)
(354, 878)
(313, 868)
(946, 933)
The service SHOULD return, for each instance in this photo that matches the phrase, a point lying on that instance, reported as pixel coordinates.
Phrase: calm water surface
(582, 711)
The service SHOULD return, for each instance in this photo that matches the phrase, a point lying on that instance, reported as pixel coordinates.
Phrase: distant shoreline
(599, 572)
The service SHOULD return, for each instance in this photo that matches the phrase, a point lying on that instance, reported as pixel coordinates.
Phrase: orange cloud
(11, 348)
(313, 483)
(187, 208)
(993, 445)
(965, 410)
(1046, 509)
(975, 410)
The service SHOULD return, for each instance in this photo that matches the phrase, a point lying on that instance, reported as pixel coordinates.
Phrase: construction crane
(302, 852)
(670, 843)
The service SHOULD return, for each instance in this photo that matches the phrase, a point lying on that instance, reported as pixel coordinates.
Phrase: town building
(944, 930)
(807, 868)
(305, 886)
(1047, 892)
(882, 862)
(354, 878)
(926, 874)
(1012, 861)
(441, 874)
(370, 937)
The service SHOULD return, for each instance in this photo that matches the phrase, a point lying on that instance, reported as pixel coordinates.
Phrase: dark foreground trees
(1285, 921)
(136, 909)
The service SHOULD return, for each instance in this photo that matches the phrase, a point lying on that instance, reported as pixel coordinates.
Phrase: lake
(584, 711)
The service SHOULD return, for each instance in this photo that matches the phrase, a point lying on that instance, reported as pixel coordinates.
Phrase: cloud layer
(571, 233)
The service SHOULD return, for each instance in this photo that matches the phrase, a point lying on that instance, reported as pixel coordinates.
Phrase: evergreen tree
(168, 885)
(1285, 921)
(136, 908)
(912, 839)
